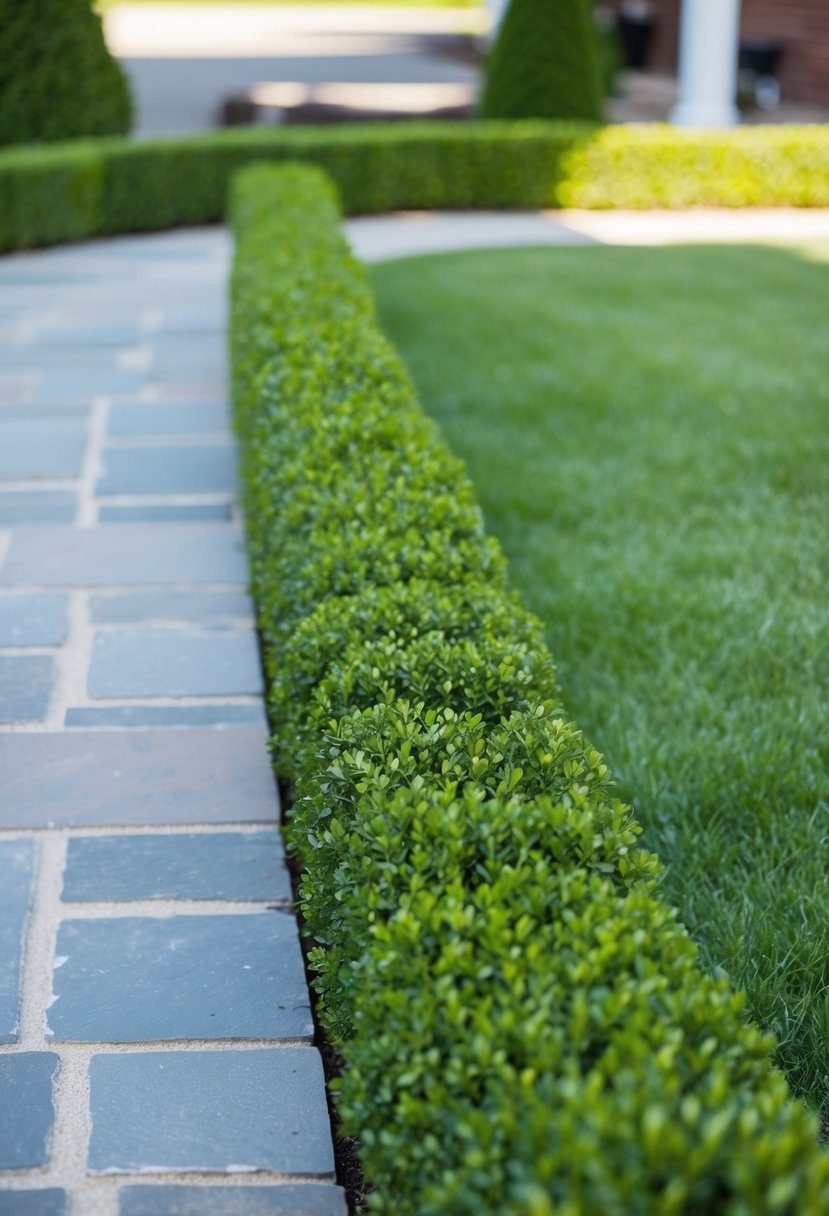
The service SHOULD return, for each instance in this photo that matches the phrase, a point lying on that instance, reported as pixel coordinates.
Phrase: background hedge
(525, 1026)
(107, 186)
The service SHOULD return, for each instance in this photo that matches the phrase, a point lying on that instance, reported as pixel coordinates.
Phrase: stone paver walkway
(155, 1026)
(411, 233)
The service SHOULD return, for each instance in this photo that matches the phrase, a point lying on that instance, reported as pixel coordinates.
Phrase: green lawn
(648, 431)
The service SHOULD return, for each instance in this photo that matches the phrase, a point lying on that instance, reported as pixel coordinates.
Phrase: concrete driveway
(185, 60)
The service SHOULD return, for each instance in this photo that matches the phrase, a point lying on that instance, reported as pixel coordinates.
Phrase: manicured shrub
(50, 195)
(525, 1027)
(653, 166)
(57, 78)
(109, 186)
(545, 63)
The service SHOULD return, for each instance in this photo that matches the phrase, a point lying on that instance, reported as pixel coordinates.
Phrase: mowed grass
(648, 432)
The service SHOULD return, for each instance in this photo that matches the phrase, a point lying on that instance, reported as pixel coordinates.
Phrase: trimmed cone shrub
(57, 78)
(544, 63)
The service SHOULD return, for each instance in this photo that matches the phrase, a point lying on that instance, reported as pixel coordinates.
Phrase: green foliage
(57, 79)
(143, 185)
(525, 1025)
(50, 195)
(653, 166)
(545, 63)
(682, 575)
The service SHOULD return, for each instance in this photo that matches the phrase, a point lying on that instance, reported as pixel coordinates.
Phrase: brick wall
(801, 26)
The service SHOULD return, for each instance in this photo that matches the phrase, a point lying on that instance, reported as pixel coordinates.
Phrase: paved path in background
(184, 61)
(155, 1026)
(411, 233)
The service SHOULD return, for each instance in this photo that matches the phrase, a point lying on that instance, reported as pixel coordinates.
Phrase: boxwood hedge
(525, 1025)
(98, 187)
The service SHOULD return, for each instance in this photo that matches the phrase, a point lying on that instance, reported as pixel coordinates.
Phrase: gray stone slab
(40, 448)
(89, 382)
(17, 859)
(260, 1109)
(14, 388)
(191, 865)
(203, 469)
(25, 687)
(198, 775)
(152, 663)
(148, 979)
(98, 334)
(26, 1111)
(291, 1199)
(152, 513)
(48, 359)
(198, 607)
(29, 411)
(32, 620)
(192, 385)
(36, 507)
(125, 555)
(174, 716)
(51, 1202)
(194, 319)
(189, 349)
(134, 419)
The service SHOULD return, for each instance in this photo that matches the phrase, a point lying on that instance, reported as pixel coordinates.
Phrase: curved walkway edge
(411, 233)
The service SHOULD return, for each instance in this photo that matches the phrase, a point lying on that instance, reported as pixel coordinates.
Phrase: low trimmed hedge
(99, 187)
(525, 1026)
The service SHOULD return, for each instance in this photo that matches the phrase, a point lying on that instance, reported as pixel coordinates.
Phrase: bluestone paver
(37, 507)
(157, 513)
(88, 382)
(50, 1202)
(72, 336)
(32, 620)
(144, 979)
(137, 419)
(290, 1199)
(152, 663)
(26, 1110)
(25, 687)
(41, 448)
(47, 410)
(260, 1109)
(208, 468)
(224, 714)
(17, 859)
(199, 607)
(196, 775)
(125, 555)
(180, 865)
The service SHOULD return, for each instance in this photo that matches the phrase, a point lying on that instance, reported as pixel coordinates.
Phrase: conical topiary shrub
(57, 78)
(544, 63)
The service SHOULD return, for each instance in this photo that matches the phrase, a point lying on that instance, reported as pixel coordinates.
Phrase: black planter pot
(635, 35)
(760, 56)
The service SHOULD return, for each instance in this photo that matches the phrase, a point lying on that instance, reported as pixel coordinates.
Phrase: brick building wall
(801, 26)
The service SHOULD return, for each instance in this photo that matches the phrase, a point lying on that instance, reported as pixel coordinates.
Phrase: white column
(709, 39)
